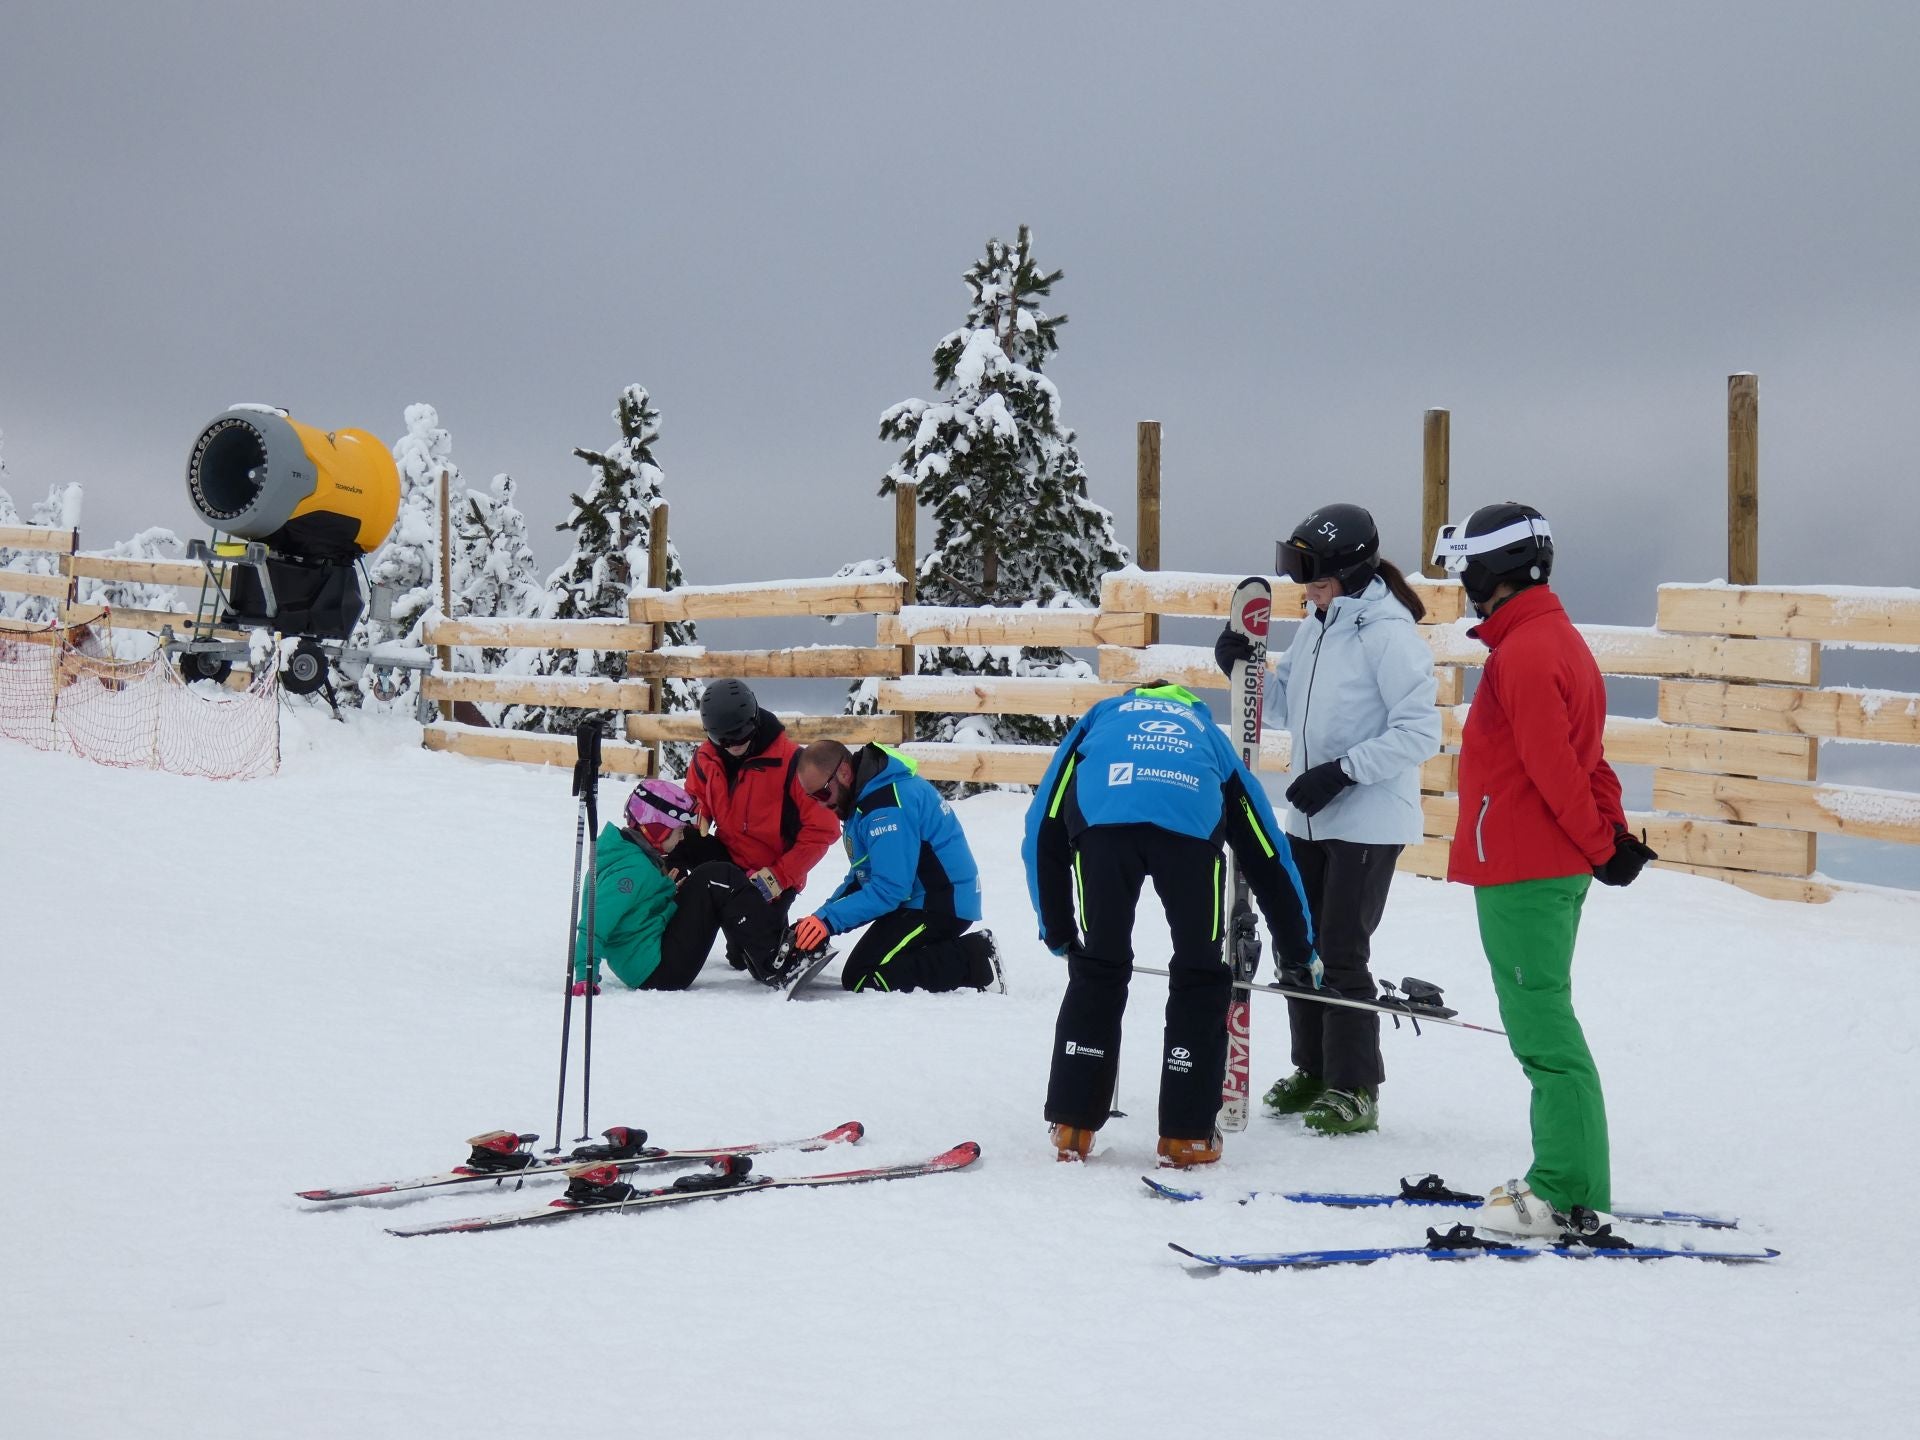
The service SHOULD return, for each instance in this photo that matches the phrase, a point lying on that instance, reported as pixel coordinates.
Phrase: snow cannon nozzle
(257, 473)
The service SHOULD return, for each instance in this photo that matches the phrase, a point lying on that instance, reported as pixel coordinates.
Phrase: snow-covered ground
(213, 995)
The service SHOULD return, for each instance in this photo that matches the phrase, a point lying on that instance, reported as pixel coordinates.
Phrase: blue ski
(1435, 1195)
(1318, 1259)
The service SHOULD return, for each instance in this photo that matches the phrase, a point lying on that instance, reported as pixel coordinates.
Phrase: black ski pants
(916, 950)
(1346, 884)
(1111, 864)
(718, 897)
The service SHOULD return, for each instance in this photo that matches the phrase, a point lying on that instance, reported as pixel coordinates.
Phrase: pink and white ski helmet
(659, 802)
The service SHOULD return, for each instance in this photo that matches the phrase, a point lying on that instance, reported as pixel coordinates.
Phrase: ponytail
(1397, 586)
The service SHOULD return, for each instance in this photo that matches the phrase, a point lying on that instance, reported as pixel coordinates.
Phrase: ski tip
(961, 1155)
(1206, 1260)
(1166, 1191)
(851, 1132)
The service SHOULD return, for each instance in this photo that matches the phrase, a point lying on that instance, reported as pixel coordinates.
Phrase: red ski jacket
(761, 814)
(1537, 799)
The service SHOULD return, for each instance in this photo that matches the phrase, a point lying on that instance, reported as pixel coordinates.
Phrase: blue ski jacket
(1154, 756)
(906, 846)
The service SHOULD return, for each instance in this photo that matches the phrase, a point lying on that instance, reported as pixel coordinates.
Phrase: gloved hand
(764, 881)
(810, 934)
(1056, 947)
(1629, 858)
(1315, 789)
(580, 987)
(1230, 648)
(1310, 976)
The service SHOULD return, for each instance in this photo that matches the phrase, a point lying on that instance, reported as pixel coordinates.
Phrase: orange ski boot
(1185, 1154)
(1070, 1142)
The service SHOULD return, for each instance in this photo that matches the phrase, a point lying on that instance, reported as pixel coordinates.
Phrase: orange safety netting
(61, 689)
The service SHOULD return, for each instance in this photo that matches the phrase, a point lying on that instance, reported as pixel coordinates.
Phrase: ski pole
(590, 757)
(573, 942)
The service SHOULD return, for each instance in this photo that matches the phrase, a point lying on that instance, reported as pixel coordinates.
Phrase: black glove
(1315, 789)
(1630, 857)
(1230, 648)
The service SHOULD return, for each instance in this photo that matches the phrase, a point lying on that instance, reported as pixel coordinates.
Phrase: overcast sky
(1287, 230)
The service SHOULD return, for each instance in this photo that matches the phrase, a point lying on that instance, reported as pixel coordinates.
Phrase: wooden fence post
(656, 580)
(906, 555)
(1743, 478)
(1435, 473)
(1147, 497)
(446, 582)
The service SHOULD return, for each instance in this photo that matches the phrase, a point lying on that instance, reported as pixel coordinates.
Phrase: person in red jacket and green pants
(1540, 820)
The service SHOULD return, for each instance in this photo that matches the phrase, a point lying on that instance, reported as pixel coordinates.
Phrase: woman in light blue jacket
(1355, 691)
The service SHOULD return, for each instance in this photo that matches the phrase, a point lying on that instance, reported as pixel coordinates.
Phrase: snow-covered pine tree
(1013, 523)
(59, 511)
(154, 543)
(494, 576)
(409, 563)
(612, 525)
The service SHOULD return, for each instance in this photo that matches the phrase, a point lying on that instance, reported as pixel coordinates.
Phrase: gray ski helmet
(1508, 541)
(729, 712)
(1335, 542)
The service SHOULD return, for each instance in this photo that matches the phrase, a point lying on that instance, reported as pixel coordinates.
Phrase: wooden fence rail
(1733, 752)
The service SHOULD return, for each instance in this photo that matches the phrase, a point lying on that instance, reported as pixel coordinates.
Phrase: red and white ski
(591, 1190)
(501, 1155)
(1248, 614)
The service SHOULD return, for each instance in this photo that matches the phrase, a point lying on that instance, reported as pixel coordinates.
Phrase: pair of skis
(1463, 1242)
(593, 1172)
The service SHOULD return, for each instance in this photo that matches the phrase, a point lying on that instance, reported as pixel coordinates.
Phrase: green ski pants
(1528, 929)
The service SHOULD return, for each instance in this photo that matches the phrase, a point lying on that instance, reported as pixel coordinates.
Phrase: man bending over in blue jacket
(913, 882)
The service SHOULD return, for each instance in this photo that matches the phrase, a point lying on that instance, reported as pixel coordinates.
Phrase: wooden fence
(73, 567)
(1734, 751)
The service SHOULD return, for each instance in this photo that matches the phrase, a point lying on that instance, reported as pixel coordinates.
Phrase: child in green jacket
(633, 893)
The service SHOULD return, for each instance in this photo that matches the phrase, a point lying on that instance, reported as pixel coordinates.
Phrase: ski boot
(1513, 1209)
(983, 962)
(1186, 1154)
(1343, 1112)
(1071, 1143)
(1293, 1094)
(498, 1152)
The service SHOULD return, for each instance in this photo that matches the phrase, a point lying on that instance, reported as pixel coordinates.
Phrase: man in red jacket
(1540, 820)
(744, 782)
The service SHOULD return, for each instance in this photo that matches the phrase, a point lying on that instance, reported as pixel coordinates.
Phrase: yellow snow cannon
(259, 474)
(293, 510)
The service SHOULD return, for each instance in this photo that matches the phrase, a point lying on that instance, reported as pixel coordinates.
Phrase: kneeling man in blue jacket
(913, 881)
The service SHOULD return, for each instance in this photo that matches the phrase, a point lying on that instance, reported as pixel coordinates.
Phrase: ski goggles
(1453, 548)
(1297, 563)
(738, 736)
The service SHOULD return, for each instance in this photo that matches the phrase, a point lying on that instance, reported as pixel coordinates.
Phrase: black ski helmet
(1335, 542)
(1508, 541)
(729, 712)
